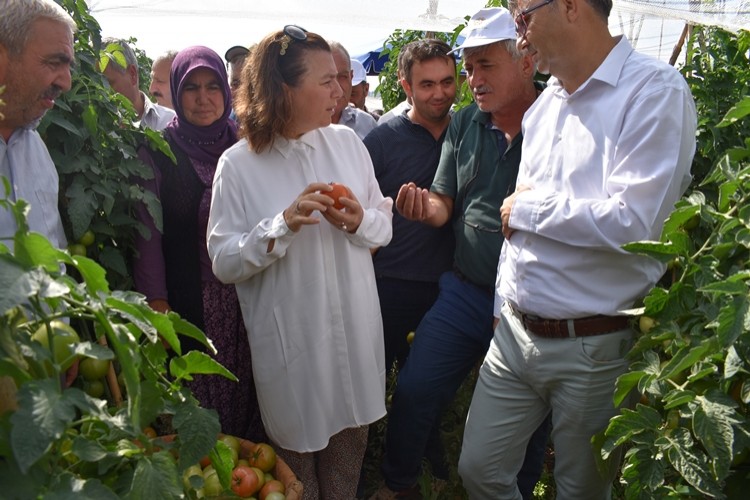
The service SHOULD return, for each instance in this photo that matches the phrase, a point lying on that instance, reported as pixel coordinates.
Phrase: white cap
(488, 26)
(360, 75)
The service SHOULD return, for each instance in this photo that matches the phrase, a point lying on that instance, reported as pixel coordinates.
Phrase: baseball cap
(488, 26)
(360, 75)
(237, 50)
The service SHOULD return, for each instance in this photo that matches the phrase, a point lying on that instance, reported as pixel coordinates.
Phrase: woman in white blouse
(302, 268)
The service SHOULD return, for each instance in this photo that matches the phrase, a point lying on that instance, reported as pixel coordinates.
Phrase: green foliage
(690, 435)
(93, 143)
(389, 87)
(718, 71)
(61, 441)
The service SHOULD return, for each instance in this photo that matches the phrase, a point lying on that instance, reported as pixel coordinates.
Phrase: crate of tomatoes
(240, 468)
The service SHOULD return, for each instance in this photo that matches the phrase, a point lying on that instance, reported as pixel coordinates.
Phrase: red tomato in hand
(244, 481)
(263, 456)
(338, 191)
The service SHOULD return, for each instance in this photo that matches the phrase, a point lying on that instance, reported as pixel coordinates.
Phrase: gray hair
(127, 53)
(167, 56)
(510, 46)
(337, 47)
(18, 16)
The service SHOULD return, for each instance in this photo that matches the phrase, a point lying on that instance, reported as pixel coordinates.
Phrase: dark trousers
(451, 338)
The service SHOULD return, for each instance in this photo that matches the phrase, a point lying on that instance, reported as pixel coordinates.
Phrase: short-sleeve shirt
(478, 177)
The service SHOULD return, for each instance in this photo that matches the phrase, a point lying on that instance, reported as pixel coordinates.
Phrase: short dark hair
(420, 51)
(603, 7)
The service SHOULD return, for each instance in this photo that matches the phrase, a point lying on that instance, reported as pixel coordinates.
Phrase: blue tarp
(373, 61)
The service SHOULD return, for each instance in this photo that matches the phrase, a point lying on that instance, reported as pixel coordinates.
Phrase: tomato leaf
(197, 429)
(196, 362)
(156, 477)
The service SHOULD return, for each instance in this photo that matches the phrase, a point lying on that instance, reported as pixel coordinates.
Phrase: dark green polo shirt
(473, 173)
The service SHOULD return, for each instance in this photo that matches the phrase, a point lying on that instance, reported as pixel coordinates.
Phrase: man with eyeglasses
(477, 169)
(606, 155)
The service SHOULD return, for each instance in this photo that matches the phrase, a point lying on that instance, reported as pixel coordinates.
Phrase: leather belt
(571, 328)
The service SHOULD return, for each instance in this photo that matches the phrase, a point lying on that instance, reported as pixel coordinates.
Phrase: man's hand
(413, 202)
(506, 209)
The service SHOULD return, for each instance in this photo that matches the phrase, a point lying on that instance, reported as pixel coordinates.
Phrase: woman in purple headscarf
(173, 269)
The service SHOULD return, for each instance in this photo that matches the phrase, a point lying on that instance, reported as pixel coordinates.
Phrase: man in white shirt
(354, 118)
(607, 153)
(36, 53)
(123, 78)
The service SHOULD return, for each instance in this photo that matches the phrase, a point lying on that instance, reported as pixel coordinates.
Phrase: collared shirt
(606, 165)
(26, 163)
(477, 176)
(155, 116)
(359, 121)
(309, 300)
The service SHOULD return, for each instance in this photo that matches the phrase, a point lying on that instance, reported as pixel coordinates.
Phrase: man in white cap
(610, 154)
(360, 88)
(477, 169)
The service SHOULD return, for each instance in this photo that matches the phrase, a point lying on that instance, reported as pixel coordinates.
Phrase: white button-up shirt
(310, 304)
(26, 163)
(155, 116)
(606, 165)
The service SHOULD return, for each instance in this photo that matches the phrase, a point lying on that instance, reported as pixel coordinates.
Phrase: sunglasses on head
(291, 32)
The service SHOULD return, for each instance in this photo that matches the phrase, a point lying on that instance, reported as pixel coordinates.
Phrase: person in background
(356, 119)
(36, 54)
(235, 58)
(159, 88)
(360, 88)
(607, 154)
(477, 169)
(302, 267)
(172, 268)
(408, 148)
(124, 81)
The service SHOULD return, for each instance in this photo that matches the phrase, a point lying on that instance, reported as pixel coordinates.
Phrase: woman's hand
(348, 218)
(299, 213)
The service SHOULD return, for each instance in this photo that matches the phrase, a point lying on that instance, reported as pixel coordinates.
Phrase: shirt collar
(609, 71)
(348, 114)
(285, 146)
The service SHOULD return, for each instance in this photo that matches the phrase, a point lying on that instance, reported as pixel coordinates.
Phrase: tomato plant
(63, 339)
(60, 441)
(93, 369)
(692, 364)
(92, 140)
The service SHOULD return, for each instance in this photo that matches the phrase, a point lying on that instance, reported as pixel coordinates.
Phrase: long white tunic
(310, 305)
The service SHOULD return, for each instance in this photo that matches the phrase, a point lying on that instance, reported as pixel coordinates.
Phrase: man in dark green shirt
(477, 170)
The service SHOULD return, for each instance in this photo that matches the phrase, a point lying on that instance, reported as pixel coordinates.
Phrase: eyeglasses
(291, 32)
(522, 23)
